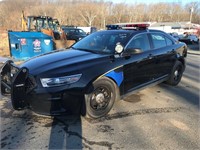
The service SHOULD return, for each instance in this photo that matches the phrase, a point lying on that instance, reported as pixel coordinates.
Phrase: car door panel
(140, 68)
(165, 56)
(139, 72)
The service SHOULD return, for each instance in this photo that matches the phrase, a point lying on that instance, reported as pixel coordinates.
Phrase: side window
(158, 40)
(168, 41)
(139, 41)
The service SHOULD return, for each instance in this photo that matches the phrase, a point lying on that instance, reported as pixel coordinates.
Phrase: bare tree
(88, 12)
(195, 8)
(119, 10)
(137, 13)
(103, 13)
(96, 12)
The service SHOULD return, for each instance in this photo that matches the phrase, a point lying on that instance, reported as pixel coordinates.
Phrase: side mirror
(135, 51)
(129, 52)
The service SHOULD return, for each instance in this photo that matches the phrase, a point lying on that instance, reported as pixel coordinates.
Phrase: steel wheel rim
(100, 98)
(177, 73)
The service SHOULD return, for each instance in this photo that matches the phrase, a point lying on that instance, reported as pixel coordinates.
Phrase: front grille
(6, 78)
(8, 71)
(13, 71)
(30, 83)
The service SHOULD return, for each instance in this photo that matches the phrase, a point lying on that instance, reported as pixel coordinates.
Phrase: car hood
(65, 61)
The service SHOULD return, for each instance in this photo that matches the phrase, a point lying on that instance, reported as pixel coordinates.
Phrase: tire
(176, 74)
(101, 98)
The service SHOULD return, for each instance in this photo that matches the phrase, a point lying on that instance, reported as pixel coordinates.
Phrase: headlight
(58, 81)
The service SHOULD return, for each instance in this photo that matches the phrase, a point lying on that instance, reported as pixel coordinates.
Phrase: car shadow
(66, 129)
(21, 128)
(66, 132)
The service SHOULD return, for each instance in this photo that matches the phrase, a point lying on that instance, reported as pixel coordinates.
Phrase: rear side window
(160, 40)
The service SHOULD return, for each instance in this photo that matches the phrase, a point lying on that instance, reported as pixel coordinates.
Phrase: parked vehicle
(175, 35)
(88, 30)
(102, 67)
(73, 33)
(189, 38)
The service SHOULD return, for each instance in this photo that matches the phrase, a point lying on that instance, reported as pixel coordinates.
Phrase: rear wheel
(176, 74)
(101, 98)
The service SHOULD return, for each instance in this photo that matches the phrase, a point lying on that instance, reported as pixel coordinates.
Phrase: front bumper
(23, 91)
(55, 103)
(14, 81)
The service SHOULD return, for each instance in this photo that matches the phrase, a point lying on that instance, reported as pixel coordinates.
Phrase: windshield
(81, 31)
(101, 42)
(74, 31)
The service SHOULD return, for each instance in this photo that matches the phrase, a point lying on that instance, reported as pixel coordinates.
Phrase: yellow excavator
(46, 25)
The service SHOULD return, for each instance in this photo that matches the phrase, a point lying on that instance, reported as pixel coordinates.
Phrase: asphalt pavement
(160, 117)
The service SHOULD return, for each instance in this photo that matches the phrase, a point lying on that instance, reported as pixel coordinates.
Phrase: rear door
(164, 54)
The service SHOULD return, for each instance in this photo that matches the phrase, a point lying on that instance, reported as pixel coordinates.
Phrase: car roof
(70, 28)
(132, 31)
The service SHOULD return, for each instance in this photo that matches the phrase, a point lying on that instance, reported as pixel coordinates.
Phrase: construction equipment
(40, 34)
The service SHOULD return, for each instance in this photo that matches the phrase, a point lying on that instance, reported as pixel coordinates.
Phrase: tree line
(96, 13)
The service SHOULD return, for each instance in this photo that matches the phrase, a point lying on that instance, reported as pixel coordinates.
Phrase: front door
(139, 69)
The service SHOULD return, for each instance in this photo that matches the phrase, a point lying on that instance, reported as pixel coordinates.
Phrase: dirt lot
(4, 48)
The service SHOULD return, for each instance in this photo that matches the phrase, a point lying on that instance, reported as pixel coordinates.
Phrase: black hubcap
(100, 98)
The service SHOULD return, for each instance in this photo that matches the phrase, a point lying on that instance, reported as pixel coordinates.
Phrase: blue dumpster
(24, 45)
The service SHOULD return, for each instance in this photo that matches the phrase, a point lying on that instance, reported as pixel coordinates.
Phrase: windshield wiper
(88, 50)
(83, 49)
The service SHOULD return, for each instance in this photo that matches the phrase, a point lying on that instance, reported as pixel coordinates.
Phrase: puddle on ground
(133, 98)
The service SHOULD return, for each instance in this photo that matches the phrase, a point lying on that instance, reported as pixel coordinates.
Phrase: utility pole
(191, 11)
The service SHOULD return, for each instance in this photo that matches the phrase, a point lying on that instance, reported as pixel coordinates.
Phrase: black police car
(102, 68)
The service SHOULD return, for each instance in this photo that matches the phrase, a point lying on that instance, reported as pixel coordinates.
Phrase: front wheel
(176, 74)
(101, 98)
